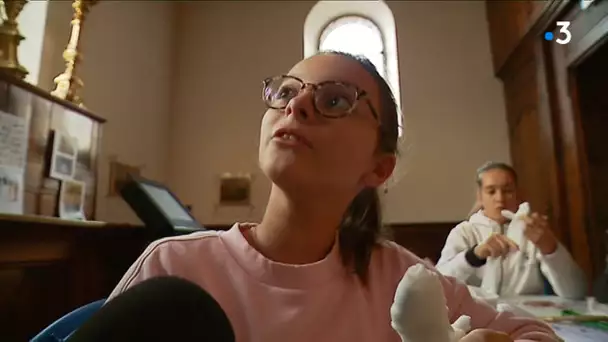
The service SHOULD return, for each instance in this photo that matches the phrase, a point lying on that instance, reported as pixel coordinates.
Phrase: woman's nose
(301, 106)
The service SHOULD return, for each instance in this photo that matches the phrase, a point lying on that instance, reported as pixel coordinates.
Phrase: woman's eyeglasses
(330, 99)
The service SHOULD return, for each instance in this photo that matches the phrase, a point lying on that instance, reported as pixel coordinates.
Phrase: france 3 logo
(563, 36)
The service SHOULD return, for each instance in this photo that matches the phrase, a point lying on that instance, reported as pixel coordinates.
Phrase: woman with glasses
(316, 267)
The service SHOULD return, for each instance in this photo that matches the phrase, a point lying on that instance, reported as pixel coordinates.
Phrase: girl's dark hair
(361, 227)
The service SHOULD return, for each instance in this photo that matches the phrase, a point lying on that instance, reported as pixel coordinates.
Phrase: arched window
(356, 35)
(359, 27)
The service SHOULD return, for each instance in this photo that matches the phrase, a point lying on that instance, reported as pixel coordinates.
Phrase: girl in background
(470, 244)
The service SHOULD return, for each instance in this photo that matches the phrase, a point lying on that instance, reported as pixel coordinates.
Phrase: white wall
(453, 105)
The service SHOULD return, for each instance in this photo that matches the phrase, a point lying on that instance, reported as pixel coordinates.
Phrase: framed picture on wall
(71, 200)
(63, 157)
(119, 173)
(235, 190)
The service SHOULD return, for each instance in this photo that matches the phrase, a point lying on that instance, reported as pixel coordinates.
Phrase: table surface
(547, 306)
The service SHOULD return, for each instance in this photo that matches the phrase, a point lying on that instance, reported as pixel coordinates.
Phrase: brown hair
(488, 166)
(361, 227)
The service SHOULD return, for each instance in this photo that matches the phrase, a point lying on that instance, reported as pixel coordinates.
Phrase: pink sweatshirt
(268, 301)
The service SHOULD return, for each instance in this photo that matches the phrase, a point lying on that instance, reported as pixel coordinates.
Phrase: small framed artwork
(235, 190)
(63, 158)
(119, 173)
(71, 200)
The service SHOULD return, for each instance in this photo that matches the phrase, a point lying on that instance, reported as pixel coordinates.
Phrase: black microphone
(158, 309)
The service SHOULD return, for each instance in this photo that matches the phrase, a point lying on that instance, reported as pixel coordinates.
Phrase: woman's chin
(287, 174)
(283, 174)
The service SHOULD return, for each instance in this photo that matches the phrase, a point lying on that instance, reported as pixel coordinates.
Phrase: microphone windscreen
(158, 309)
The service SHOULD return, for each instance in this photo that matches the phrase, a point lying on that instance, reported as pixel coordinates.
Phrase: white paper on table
(11, 190)
(579, 333)
(14, 132)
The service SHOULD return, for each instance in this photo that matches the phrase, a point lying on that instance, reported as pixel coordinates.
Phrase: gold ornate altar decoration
(69, 84)
(10, 38)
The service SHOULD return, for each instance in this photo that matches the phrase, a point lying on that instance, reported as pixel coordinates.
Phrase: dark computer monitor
(157, 207)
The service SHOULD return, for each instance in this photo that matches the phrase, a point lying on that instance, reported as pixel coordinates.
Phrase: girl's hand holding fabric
(496, 245)
(540, 234)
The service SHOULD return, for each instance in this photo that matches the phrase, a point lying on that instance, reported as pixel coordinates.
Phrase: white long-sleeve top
(507, 277)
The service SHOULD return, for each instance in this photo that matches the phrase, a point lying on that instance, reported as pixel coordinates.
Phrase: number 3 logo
(564, 29)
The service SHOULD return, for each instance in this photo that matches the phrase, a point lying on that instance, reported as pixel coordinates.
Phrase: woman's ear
(385, 164)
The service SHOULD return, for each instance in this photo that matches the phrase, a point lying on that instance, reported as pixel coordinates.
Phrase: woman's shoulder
(185, 244)
(204, 236)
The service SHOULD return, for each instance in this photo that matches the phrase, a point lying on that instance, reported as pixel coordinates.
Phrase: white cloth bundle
(419, 312)
(515, 232)
(516, 228)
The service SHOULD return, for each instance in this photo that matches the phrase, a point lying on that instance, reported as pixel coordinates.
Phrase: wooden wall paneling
(502, 30)
(501, 21)
(426, 240)
(592, 85)
(528, 147)
(545, 159)
(508, 23)
(573, 163)
(549, 140)
(588, 28)
(49, 269)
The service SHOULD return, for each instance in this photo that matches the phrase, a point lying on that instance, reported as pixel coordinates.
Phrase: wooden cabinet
(46, 115)
(49, 267)
(550, 139)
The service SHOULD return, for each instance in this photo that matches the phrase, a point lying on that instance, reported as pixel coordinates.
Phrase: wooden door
(588, 241)
(531, 138)
(508, 23)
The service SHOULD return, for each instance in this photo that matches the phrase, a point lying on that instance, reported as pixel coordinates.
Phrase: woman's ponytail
(359, 232)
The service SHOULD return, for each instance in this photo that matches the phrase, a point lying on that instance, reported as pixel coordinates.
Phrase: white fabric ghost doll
(419, 312)
(517, 226)
(494, 267)
(515, 232)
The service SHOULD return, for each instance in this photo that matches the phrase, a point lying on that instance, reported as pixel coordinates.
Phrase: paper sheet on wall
(13, 154)
(13, 140)
(11, 190)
